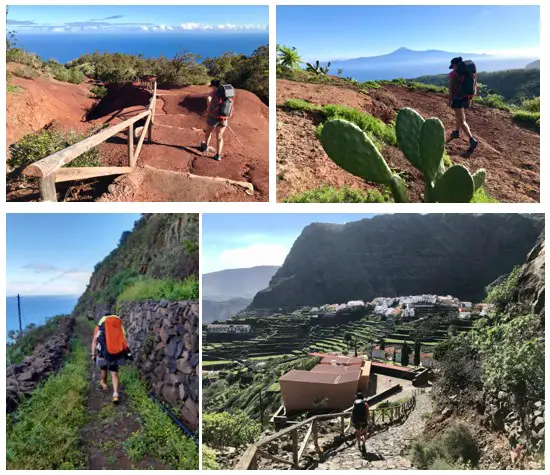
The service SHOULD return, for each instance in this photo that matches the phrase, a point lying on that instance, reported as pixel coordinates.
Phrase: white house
(225, 328)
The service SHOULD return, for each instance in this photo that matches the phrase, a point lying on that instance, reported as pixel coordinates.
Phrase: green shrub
(493, 100)
(158, 437)
(506, 292)
(327, 194)
(157, 289)
(76, 76)
(45, 432)
(531, 105)
(209, 458)
(531, 118)
(19, 55)
(99, 91)
(371, 85)
(223, 429)
(37, 145)
(481, 196)
(26, 72)
(300, 104)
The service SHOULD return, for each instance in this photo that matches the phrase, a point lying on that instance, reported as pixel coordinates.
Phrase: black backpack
(359, 411)
(466, 71)
(225, 95)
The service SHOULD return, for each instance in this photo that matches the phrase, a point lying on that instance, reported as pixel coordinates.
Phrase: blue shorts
(109, 365)
(461, 102)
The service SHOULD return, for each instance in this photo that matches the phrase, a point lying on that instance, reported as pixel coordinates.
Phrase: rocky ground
(510, 153)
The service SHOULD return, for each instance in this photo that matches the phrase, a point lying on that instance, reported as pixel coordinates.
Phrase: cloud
(253, 255)
(144, 27)
(41, 268)
(20, 22)
(192, 26)
(114, 17)
(73, 283)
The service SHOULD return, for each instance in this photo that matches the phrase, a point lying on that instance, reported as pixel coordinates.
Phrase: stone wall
(22, 379)
(164, 339)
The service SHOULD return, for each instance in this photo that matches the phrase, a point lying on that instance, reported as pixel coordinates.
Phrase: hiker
(360, 419)
(219, 110)
(109, 350)
(462, 89)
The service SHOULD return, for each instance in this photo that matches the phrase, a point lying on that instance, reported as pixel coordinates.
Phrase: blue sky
(55, 254)
(343, 32)
(145, 18)
(231, 241)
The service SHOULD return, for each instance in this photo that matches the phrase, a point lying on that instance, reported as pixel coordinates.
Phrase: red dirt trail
(510, 153)
(169, 168)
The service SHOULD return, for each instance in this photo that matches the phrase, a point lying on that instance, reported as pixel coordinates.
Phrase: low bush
(328, 194)
(20, 56)
(223, 429)
(531, 105)
(209, 458)
(158, 437)
(99, 91)
(528, 117)
(481, 196)
(506, 292)
(37, 145)
(493, 100)
(26, 72)
(76, 76)
(157, 289)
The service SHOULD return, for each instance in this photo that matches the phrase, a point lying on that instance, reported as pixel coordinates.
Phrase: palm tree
(288, 57)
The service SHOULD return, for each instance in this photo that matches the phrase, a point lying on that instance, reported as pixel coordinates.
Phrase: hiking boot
(473, 145)
(116, 398)
(455, 134)
(103, 385)
(203, 147)
(217, 157)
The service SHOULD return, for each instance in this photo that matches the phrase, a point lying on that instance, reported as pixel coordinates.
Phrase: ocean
(37, 309)
(67, 46)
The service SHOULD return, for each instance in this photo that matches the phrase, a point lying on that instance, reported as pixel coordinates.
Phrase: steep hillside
(229, 283)
(213, 310)
(508, 150)
(392, 255)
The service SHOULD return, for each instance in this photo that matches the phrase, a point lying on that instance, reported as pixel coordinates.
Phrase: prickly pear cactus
(398, 189)
(351, 149)
(455, 186)
(431, 148)
(408, 126)
(479, 178)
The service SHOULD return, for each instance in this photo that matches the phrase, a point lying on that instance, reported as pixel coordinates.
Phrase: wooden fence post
(47, 187)
(294, 435)
(316, 437)
(254, 462)
(131, 145)
(342, 426)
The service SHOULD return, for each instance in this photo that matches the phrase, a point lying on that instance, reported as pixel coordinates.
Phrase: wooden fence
(379, 417)
(49, 169)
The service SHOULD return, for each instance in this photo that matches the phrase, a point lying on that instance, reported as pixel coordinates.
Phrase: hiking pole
(233, 132)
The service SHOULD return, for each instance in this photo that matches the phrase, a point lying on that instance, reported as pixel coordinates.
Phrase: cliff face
(400, 254)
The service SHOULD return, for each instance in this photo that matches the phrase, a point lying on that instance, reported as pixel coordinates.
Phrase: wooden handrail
(249, 460)
(49, 169)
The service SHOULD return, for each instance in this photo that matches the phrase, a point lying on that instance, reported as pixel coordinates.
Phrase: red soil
(510, 153)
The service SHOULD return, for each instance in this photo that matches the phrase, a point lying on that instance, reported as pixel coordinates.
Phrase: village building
(227, 328)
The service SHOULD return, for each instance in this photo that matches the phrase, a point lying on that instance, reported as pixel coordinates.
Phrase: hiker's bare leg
(207, 135)
(458, 119)
(114, 378)
(358, 436)
(465, 126)
(220, 131)
(104, 376)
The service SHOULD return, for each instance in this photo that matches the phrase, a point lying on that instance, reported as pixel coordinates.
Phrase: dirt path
(109, 426)
(386, 450)
(510, 153)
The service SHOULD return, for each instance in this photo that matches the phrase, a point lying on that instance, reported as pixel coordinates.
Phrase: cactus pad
(408, 126)
(431, 148)
(479, 178)
(398, 189)
(455, 186)
(351, 149)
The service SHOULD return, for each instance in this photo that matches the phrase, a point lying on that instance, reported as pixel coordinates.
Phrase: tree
(340, 71)
(417, 353)
(383, 345)
(405, 352)
(347, 338)
(288, 57)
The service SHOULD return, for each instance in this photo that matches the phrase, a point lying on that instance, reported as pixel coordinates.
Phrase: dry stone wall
(22, 379)
(164, 338)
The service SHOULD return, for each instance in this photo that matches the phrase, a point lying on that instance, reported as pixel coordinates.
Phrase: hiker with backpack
(360, 419)
(462, 89)
(109, 350)
(219, 111)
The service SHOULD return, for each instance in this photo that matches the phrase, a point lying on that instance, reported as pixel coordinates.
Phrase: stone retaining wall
(164, 339)
(22, 379)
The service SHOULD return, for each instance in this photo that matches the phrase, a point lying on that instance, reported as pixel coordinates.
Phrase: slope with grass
(508, 148)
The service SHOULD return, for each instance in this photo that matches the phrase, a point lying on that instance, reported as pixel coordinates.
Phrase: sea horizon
(64, 47)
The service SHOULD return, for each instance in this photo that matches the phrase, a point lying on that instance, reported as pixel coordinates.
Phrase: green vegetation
(209, 458)
(223, 429)
(158, 436)
(24, 345)
(530, 118)
(495, 101)
(25, 72)
(288, 57)
(454, 449)
(44, 433)
(99, 91)
(345, 194)
(12, 88)
(37, 145)
(423, 144)
(481, 196)
(317, 68)
(146, 288)
(506, 292)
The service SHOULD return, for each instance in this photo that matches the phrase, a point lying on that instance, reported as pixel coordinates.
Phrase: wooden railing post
(316, 436)
(47, 187)
(294, 435)
(131, 145)
(342, 426)
(254, 462)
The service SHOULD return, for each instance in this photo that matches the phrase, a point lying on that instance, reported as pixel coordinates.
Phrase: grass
(528, 117)
(345, 194)
(214, 363)
(158, 436)
(13, 89)
(494, 100)
(44, 433)
(481, 196)
(158, 289)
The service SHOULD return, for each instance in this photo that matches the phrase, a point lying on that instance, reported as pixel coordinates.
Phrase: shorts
(214, 122)
(360, 425)
(108, 365)
(461, 103)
